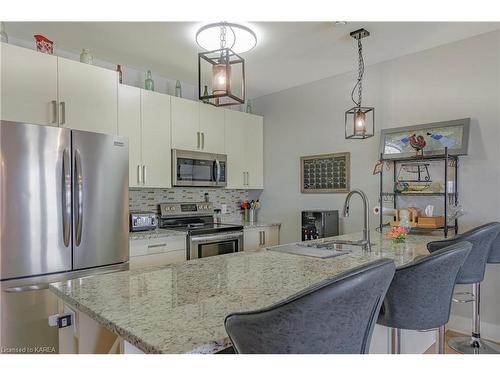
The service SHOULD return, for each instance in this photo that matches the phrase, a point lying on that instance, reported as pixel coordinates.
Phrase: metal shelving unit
(450, 161)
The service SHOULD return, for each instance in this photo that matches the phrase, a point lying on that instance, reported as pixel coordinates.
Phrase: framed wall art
(426, 139)
(326, 173)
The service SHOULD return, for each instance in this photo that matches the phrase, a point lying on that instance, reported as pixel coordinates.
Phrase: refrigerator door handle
(66, 197)
(26, 288)
(63, 113)
(78, 196)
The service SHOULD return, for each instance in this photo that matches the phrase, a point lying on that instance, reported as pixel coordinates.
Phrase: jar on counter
(217, 216)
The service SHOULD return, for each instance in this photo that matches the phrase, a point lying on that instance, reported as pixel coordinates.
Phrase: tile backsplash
(148, 199)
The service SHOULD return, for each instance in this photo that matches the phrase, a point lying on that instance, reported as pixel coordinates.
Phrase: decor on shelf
(4, 38)
(248, 108)
(120, 73)
(426, 139)
(44, 45)
(359, 120)
(149, 84)
(397, 234)
(327, 173)
(221, 68)
(205, 94)
(414, 172)
(178, 89)
(86, 57)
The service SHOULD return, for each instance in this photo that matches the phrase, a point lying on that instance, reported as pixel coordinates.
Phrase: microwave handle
(217, 170)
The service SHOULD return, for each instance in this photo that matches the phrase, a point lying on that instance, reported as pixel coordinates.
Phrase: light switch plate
(223, 208)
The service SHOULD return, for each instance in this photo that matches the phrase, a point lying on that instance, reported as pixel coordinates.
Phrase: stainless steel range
(205, 238)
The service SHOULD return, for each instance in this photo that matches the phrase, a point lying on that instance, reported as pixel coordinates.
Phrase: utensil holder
(252, 215)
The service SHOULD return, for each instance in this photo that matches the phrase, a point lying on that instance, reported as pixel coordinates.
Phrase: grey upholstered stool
(419, 297)
(337, 316)
(472, 272)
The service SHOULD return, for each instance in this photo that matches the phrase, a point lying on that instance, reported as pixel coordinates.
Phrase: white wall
(453, 81)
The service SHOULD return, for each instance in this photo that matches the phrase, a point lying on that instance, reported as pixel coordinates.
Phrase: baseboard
(464, 325)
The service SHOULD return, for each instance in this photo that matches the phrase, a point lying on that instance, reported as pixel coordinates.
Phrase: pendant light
(359, 120)
(221, 71)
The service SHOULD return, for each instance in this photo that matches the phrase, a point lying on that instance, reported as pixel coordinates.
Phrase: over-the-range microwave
(192, 168)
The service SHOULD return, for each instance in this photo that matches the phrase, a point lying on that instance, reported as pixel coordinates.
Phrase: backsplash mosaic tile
(147, 199)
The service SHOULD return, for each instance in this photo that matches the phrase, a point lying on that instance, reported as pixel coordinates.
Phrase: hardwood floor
(447, 350)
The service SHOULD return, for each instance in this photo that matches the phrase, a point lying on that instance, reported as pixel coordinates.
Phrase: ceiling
(287, 54)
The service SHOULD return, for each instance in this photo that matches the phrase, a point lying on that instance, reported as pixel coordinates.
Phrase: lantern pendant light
(221, 72)
(359, 120)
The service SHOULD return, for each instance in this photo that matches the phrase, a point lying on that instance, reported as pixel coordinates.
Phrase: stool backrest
(494, 256)
(420, 293)
(481, 239)
(337, 316)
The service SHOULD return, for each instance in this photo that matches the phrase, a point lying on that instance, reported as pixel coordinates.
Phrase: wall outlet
(223, 208)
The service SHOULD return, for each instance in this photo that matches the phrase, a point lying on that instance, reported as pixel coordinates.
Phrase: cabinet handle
(54, 111)
(157, 245)
(244, 179)
(260, 238)
(203, 140)
(248, 178)
(139, 174)
(144, 176)
(263, 237)
(198, 140)
(63, 112)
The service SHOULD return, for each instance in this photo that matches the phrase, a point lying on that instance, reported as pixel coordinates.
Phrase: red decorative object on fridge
(44, 45)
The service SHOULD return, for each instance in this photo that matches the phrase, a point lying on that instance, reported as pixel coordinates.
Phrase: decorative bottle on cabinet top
(149, 84)
(86, 57)
(178, 89)
(3, 35)
(120, 73)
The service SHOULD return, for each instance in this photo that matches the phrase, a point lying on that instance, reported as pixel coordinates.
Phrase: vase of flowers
(397, 234)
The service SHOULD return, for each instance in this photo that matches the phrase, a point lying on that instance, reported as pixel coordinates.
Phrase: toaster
(141, 221)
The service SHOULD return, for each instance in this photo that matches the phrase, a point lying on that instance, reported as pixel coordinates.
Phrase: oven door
(207, 245)
(198, 169)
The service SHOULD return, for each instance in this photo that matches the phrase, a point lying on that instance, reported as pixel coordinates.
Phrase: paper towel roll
(385, 211)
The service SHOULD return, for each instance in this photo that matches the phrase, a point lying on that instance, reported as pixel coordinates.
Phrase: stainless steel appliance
(319, 224)
(204, 236)
(142, 221)
(64, 214)
(198, 169)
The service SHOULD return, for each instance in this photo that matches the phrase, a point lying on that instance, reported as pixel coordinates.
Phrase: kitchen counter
(157, 233)
(181, 308)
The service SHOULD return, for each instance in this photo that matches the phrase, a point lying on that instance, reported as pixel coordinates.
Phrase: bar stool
(337, 316)
(472, 272)
(494, 258)
(420, 294)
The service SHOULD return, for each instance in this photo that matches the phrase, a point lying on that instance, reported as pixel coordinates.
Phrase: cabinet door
(185, 124)
(254, 151)
(271, 236)
(235, 149)
(87, 97)
(129, 125)
(156, 155)
(252, 239)
(212, 129)
(29, 86)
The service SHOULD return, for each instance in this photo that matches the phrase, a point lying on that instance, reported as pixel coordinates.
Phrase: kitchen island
(181, 308)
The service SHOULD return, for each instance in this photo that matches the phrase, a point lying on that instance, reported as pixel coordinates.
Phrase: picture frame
(452, 134)
(325, 173)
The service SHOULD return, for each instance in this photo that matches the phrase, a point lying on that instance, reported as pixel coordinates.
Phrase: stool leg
(474, 344)
(441, 339)
(395, 341)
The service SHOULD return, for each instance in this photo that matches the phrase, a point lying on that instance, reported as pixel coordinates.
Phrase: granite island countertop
(181, 308)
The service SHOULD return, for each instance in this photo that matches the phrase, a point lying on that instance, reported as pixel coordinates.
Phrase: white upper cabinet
(156, 141)
(129, 125)
(212, 129)
(197, 126)
(235, 149)
(186, 124)
(244, 148)
(29, 86)
(254, 151)
(87, 97)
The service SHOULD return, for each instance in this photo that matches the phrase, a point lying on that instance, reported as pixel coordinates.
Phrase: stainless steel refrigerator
(63, 214)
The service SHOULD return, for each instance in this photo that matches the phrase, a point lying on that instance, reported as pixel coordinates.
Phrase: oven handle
(217, 237)
(217, 170)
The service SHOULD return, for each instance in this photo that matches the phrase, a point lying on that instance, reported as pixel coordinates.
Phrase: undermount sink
(339, 245)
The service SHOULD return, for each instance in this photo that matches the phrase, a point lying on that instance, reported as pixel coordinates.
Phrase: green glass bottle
(178, 89)
(205, 94)
(249, 106)
(149, 84)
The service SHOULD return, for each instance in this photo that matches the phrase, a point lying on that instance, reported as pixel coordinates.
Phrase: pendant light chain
(223, 36)
(361, 71)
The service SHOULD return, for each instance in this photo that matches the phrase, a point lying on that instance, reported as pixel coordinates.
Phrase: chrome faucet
(366, 230)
